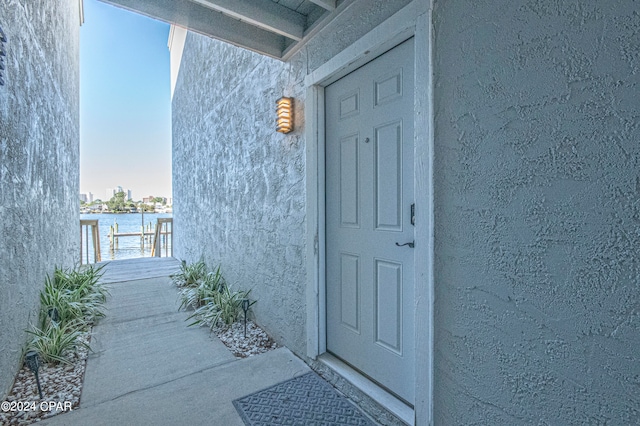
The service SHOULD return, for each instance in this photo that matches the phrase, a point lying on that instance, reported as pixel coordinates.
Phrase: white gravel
(63, 383)
(60, 383)
(256, 342)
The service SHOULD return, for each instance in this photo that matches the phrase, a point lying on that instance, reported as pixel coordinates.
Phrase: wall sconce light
(284, 113)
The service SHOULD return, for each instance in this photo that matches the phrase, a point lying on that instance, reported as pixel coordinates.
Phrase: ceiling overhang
(276, 28)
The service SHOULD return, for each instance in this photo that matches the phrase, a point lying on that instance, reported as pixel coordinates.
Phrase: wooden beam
(207, 21)
(325, 4)
(267, 15)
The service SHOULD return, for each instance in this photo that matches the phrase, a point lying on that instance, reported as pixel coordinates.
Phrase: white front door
(369, 231)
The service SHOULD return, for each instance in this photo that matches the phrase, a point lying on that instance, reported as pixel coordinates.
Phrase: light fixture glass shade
(284, 115)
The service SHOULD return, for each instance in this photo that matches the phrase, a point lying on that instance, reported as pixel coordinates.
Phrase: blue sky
(125, 103)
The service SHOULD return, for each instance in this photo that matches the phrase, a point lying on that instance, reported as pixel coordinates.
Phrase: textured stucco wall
(537, 195)
(39, 164)
(356, 20)
(238, 186)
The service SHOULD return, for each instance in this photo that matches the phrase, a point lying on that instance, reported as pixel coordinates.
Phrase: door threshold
(387, 400)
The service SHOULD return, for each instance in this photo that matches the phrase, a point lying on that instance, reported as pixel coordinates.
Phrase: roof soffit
(276, 28)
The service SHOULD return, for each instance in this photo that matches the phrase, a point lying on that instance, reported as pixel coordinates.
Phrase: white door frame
(414, 20)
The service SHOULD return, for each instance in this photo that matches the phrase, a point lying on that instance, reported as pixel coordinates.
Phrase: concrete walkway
(148, 367)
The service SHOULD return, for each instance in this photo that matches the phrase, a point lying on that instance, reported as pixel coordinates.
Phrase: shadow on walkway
(148, 367)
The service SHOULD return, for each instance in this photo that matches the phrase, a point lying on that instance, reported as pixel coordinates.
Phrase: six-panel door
(369, 193)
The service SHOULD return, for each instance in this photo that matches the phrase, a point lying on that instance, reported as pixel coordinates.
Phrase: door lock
(413, 214)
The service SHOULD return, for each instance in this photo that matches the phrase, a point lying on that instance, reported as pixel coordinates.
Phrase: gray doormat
(305, 400)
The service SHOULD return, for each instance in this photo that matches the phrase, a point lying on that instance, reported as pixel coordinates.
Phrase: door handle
(412, 244)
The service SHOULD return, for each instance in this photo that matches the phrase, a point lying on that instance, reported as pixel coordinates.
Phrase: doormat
(304, 400)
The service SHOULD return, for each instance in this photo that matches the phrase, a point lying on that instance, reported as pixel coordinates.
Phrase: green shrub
(58, 305)
(207, 292)
(73, 295)
(54, 341)
(71, 300)
(195, 296)
(190, 275)
(223, 308)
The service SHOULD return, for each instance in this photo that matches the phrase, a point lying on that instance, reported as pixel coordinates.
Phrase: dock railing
(164, 228)
(161, 235)
(162, 238)
(85, 225)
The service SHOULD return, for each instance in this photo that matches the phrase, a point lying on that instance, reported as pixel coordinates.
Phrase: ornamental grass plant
(190, 274)
(214, 303)
(222, 309)
(54, 341)
(70, 302)
(198, 291)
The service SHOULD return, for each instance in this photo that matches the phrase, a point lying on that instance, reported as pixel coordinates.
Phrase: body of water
(128, 247)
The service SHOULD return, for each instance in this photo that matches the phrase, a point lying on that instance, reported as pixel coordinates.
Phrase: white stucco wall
(537, 212)
(537, 265)
(239, 187)
(39, 162)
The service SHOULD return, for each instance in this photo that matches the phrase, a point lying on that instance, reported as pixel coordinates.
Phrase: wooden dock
(142, 268)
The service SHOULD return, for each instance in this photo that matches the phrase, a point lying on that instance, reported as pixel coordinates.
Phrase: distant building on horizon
(113, 191)
(87, 198)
